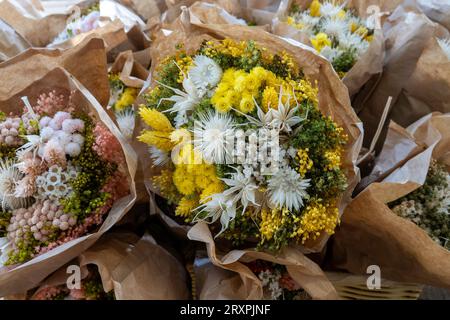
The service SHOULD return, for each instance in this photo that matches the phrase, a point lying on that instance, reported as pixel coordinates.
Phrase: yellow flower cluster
(162, 128)
(333, 159)
(305, 163)
(126, 99)
(186, 205)
(316, 218)
(227, 46)
(164, 181)
(320, 40)
(272, 221)
(238, 88)
(192, 177)
(185, 63)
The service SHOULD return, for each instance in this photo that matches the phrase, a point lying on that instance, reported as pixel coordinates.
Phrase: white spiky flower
(334, 27)
(9, 177)
(242, 188)
(220, 206)
(159, 157)
(184, 101)
(126, 120)
(287, 189)
(445, 45)
(284, 117)
(352, 40)
(205, 74)
(213, 135)
(328, 8)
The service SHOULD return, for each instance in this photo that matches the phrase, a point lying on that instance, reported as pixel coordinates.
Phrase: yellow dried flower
(305, 163)
(126, 99)
(186, 205)
(320, 41)
(314, 8)
(155, 119)
(159, 139)
(316, 218)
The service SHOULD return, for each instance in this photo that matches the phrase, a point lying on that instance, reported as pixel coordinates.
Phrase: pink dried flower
(106, 145)
(49, 103)
(54, 153)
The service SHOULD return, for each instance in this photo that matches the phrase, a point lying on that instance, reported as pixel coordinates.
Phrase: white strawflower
(126, 120)
(287, 189)
(205, 74)
(9, 177)
(159, 157)
(213, 136)
(445, 45)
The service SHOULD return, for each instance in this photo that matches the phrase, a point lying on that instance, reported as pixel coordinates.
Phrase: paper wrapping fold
(11, 43)
(333, 96)
(87, 62)
(409, 71)
(28, 275)
(436, 10)
(149, 272)
(368, 65)
(131, 72)
(244, 284)
(239, 12)
(136, 269)
(371, 234)
(33, 22)
(427, 88)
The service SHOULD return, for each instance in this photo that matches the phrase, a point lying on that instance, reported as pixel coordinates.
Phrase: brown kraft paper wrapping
(136, 269)
(34, 21)
(218, 284)
(333, 97)
(28, 275)
(368, 65)
(407, 32)
(371, 234)
(11, 43)
(87, 62)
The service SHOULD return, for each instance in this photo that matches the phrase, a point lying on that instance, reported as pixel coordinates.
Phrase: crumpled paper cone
(408, 72)
(371, 234)
(11, 43)
(436, 10)
(134, 268)
(218, 284)
(87, 62)
(16, 279)
(131, 72)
